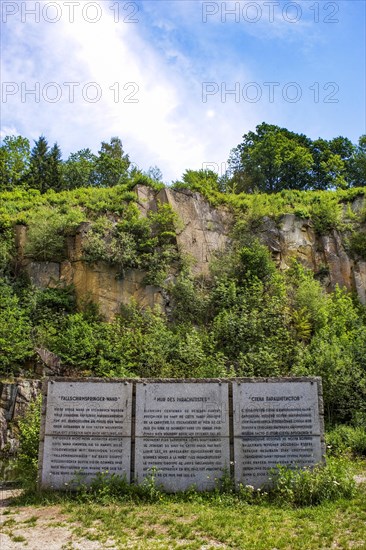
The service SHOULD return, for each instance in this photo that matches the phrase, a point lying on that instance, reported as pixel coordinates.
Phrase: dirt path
(43, 528)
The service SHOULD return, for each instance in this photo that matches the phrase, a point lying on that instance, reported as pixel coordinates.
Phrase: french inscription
(182, 431)
(182, 462)
(274, 423)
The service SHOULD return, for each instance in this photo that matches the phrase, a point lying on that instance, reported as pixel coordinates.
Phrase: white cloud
(8, 131)
(169, 126)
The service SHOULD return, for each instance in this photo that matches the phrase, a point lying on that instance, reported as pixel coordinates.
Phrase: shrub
(346, 439)
(357, 244)
(337, 353)
(256, 262)
(85, 344)
(29, 428)
(95, 246)
(49, 302)
(190, 300)
(15, 330)
(47, 230)
(307, 486)
(6, 251)
(251, 323)
(326, 213)
(136, 242)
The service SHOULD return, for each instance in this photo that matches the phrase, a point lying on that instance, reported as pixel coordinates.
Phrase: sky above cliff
(180, 81)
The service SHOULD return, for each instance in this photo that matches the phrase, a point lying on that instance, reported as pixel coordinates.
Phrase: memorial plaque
(182, 430)
(87, 430)
(89, 408)
(275, 422)
(185, 431)
(67, 459)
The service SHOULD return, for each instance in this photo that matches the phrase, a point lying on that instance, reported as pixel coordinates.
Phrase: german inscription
(182, 431)
(274, 423)
(87, 430)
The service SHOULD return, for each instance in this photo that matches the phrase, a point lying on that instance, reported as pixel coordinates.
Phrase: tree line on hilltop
(42, 166)
(268, 160)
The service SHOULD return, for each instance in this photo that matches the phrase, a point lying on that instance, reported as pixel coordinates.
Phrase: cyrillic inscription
(184, 432)
(274, 423)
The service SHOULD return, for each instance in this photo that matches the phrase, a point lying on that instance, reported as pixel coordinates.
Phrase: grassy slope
(15, 206)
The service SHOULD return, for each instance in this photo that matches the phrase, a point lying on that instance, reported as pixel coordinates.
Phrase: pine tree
(45, 171)
(39, 171)
(55, 168)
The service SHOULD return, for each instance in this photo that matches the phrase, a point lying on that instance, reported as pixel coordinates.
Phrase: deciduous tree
(112, 164)
(14, 162)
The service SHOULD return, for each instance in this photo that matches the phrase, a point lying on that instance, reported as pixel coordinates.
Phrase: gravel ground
(43, 528)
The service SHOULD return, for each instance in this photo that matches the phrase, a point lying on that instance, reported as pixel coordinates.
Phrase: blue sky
(159, 73)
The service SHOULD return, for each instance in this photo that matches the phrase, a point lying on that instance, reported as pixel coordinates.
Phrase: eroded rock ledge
(203, 230)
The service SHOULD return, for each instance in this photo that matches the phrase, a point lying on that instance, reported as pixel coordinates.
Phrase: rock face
(203, 230)
(98, 282)
(325, 255)
(14, 400)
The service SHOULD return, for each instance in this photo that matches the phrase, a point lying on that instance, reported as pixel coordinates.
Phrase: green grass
(31, 521)
(193, 525)
(18, 538)
(17, 206)
(197, 521)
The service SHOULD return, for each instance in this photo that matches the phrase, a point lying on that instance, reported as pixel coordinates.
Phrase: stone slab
(182, 430)
(71, 458)
(89, 408)
(180, 463)
(254, 457)
(274, 423)
(191, 409)
(87, 430)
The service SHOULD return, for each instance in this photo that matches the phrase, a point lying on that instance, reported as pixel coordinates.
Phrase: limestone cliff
(326, 255)
(203, 230)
